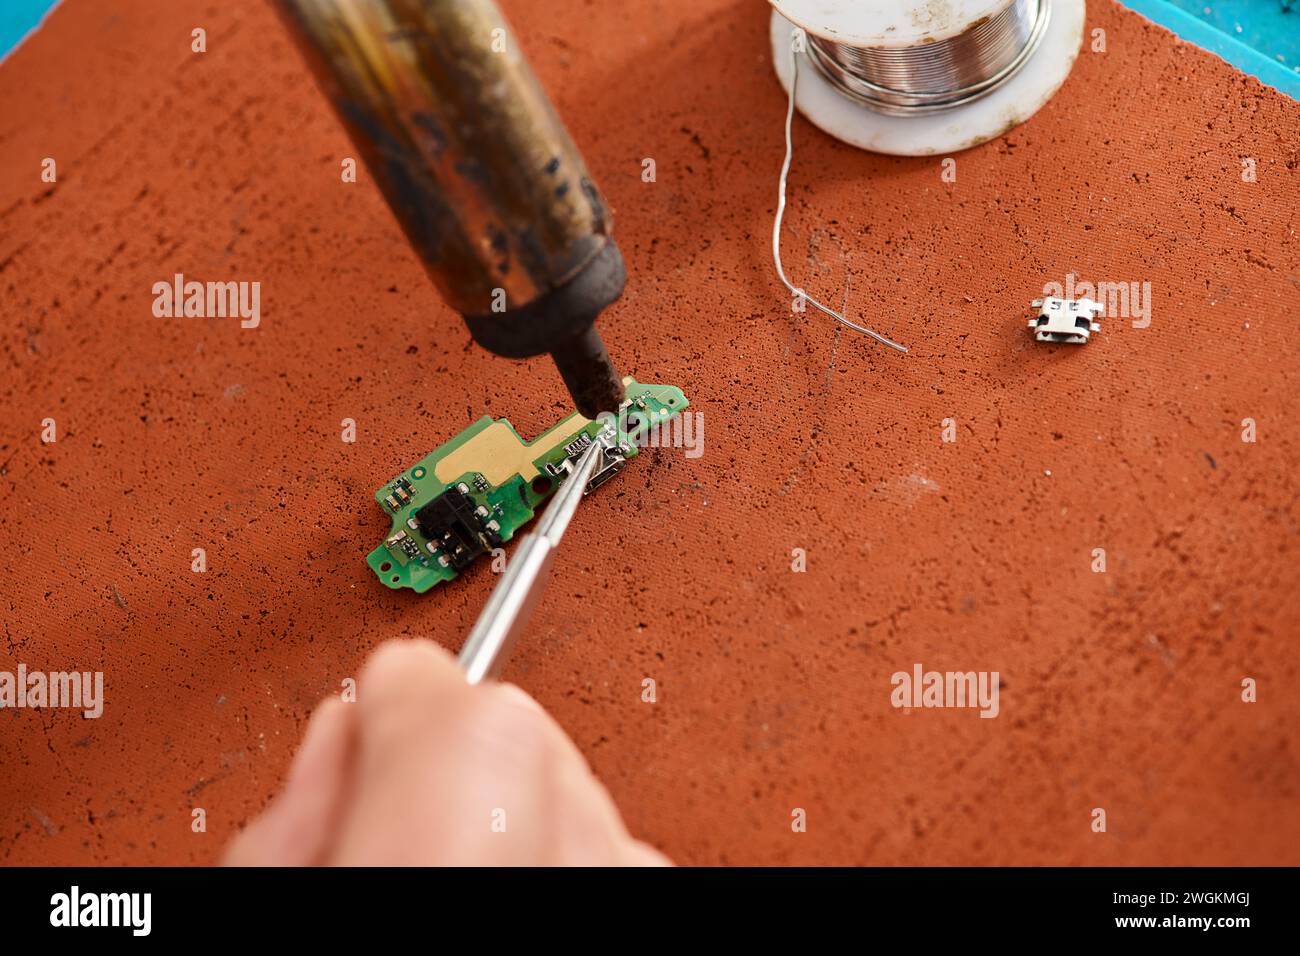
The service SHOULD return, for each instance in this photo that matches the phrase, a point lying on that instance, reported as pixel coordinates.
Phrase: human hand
(426, 770)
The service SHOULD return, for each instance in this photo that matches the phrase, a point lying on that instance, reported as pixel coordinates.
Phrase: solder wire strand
(795, 43)
(940, 75)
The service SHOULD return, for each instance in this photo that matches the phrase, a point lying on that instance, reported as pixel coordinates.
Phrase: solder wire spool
(925, 77)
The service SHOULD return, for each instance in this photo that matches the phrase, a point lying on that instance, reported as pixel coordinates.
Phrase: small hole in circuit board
(385, 567)
(396, 578)
(418, 473)
(541, 485)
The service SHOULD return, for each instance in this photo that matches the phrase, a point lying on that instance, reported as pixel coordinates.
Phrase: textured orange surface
(1119, 690)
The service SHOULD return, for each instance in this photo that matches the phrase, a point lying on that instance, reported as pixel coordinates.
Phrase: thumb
(297, 827)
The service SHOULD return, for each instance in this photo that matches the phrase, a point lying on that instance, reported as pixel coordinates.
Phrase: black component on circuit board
(456, 524)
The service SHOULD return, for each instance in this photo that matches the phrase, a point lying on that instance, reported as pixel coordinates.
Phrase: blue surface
(1259, 37)
(1272, 28)
(18, 18)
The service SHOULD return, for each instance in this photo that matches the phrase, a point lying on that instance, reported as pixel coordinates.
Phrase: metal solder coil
(938, 75)
(919, 77)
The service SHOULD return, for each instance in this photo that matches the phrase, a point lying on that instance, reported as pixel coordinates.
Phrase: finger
(451, 774)
(296, 828)
(447, 773)
(413, 695)
(588, 829)
(436, 760)
(638, 853)
(407, 687)
(584, 825)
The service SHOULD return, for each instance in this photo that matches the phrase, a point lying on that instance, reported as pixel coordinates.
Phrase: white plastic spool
(905, 23)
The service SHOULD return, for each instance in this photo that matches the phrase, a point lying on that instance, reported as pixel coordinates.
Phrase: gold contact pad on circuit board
(498, 454)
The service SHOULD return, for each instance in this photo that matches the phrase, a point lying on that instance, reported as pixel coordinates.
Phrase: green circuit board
(471, 494)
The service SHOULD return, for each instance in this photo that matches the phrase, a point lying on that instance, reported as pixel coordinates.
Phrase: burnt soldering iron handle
(482, 175)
